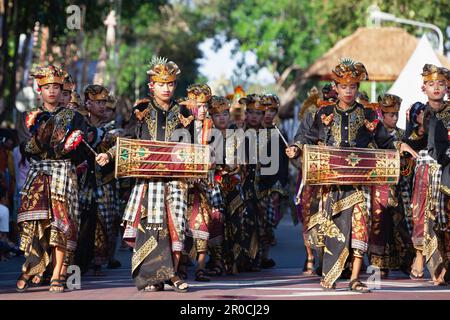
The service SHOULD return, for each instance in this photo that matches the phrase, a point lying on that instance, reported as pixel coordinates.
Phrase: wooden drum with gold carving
(323, 165)
(150, 159)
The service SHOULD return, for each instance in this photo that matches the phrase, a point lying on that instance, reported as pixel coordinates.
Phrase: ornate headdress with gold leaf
(96, 92)
(349, 72)
(69, 84)
(201, 93)
(237, 94)
(311, 103)
(389, 103)
(270, 101)
(75, 98)
(237, 109)
(431, 72)
(75, 103)
(162, 70)
(111, 102)
(362, 98)
(49, 74)
(218, 105)
(253, 102)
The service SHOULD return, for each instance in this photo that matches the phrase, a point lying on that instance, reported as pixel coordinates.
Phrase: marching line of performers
(401, 227)
(72, 208)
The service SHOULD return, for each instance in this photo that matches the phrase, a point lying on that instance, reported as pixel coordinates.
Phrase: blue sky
(221, 63)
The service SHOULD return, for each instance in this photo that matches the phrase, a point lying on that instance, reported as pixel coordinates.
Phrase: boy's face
(254, 117)
(347, 92)
(269, 116)
(435, 89)
(200, 111)
(390, 119)
(51, 93)
(110, 114)
(221, 120)
(163, 90)
(65, 98)
(97, 108)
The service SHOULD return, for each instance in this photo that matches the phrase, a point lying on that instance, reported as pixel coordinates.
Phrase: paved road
(283, 282)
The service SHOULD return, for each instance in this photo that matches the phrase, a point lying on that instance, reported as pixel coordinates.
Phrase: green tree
(287, 36)
(146, 28)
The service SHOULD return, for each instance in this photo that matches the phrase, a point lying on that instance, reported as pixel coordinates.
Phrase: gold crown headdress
(218, 105)
(390, 103)
(349, 72)
(162, 70)
(75, 98)
(270, 101)
(253, 102)
(69, 84)
(96, 92)
(111, 102)
(201, 93)
(49, 74)
(237, 109)
(431, 72)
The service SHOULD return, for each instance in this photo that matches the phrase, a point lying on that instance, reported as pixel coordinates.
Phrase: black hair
(412, 123)
(327, 88)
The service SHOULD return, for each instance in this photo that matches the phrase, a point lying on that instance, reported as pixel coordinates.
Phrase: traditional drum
(324, 165)
(150, 159)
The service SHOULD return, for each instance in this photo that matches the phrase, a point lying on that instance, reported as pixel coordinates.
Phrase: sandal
(40, 277)
(414, 273)
(178, 285)
(267, 263)
(357, 286)
(63, 280)
(200, 275)
(27, 283)
(309, 270)
(215, 271)
(154, 287)
(56, 283)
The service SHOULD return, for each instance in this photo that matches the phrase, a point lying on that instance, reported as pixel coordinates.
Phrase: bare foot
(440, 280)
(37, 279)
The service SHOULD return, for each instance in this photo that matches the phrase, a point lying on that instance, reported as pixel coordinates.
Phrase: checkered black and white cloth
(106, 200)
(437, 198)
(215, 197)
(174, 193)
(63, 185)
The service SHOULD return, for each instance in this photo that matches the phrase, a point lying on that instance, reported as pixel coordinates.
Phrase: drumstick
(74, 139)
(90, 148)
(281, 135)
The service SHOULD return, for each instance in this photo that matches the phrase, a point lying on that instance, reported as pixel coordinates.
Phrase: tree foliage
(287, 36)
